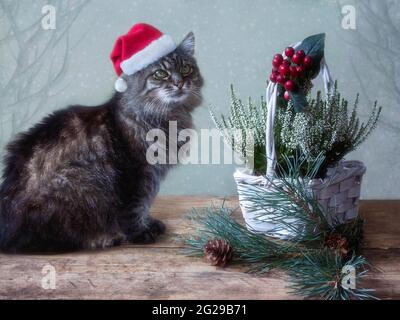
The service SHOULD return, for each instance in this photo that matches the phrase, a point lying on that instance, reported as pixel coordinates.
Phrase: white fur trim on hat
(154, 51)
(120, 85)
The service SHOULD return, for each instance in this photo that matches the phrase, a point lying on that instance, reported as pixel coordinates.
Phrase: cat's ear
(187, 44)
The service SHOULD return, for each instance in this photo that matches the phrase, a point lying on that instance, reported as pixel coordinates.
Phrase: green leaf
(314, 46)
(299, 100)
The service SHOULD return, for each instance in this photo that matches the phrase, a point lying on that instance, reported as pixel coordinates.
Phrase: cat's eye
(160, 74)
(186, 70)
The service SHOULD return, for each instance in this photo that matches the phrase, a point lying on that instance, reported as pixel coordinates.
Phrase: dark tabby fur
(80, 179)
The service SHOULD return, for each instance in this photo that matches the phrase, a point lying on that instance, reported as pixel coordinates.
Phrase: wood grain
(160, 271)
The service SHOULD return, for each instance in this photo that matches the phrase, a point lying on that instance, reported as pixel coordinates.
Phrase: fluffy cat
(79, 179)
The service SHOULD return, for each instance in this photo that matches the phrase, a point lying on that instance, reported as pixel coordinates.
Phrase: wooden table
(159, 271)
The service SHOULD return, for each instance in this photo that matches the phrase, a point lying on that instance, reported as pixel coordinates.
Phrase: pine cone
(218, 252)
(337, 242)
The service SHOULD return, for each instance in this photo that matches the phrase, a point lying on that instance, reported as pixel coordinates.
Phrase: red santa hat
(135, 50)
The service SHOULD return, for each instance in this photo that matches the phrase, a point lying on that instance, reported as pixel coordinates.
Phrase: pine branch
(289, 204)
(218, 223)
(314, 271)
(321, 275)
(311, 256)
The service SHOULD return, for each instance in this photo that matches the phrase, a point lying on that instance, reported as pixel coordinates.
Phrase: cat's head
(172, 81)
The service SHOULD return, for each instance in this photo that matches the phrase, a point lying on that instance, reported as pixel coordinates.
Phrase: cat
(79, 179)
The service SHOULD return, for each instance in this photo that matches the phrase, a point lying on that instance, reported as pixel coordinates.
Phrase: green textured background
(235, 40)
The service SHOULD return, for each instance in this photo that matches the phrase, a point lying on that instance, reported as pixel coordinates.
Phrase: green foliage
(298, 100)
(321, 275)
(289, 200)
(315, 270)
(314, 46)
(217, 222)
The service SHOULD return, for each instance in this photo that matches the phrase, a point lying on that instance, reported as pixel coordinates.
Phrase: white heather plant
(326, 127)
(244, 126)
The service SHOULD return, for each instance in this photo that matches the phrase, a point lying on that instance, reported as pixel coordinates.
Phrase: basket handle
(271, 96)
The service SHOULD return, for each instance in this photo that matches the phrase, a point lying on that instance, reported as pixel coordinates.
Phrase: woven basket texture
(338, 193)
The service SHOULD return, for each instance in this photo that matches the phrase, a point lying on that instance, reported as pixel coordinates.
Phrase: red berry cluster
(284, 71)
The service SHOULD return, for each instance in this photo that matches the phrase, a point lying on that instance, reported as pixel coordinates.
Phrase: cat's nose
(178, 84)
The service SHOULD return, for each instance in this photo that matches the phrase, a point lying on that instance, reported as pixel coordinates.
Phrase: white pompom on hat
(135, 50)
(120, 84)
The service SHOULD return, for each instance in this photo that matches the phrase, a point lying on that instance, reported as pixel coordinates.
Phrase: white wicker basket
(338, 192)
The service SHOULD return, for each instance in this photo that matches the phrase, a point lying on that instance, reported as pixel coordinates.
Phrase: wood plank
(160, 271)
(141, 273)
(172, 210)
(133, 273)
(382, 223)
(386, 276)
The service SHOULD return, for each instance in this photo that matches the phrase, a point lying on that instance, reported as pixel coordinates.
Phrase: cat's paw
(157, 226)
(148, 234)
(103, 241)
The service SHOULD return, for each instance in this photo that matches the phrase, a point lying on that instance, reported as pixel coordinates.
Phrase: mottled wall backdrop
(44, 70)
